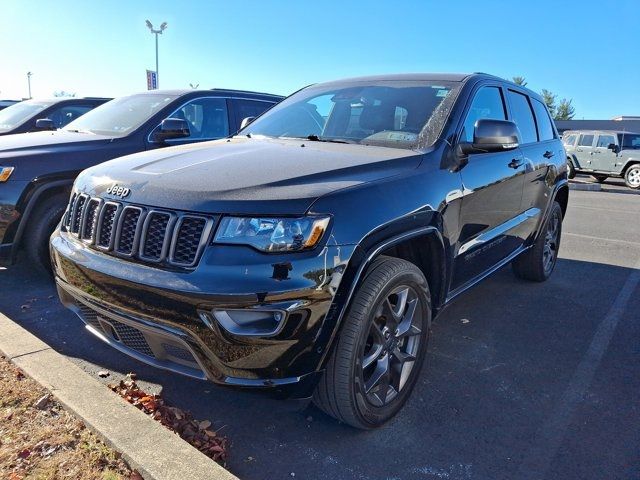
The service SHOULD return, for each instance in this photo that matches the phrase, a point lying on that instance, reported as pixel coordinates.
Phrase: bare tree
(63, 93)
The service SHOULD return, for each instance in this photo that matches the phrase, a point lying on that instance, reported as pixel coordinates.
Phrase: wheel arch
(34, 196)
(401, 245)
(629, 164)
(562, 197)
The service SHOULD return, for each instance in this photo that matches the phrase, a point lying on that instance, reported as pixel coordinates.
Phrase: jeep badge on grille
(118, 191)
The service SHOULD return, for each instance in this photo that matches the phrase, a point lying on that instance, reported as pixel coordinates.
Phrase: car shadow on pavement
(499, 360)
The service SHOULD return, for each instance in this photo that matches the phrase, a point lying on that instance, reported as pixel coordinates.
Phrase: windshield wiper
(76, 130)
(315, 138)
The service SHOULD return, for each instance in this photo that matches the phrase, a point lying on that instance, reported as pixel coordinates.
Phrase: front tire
(381, 346)
(571, 170)
(537, 263)
(42, 223)
(632, 177)
(600, 178)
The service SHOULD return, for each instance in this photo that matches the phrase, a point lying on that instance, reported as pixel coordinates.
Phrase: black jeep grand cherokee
(309, 254)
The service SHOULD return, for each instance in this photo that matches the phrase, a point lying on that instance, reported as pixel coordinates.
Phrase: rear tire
(632, 177)
(42, 223)
(537, 263)
(380, 348)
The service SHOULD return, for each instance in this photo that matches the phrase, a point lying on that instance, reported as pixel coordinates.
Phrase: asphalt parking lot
(522, 380)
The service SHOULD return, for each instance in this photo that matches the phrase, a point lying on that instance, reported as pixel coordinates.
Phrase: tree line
(559, 110)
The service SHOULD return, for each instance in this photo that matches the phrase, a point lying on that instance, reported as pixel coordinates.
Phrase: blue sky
(104, 48)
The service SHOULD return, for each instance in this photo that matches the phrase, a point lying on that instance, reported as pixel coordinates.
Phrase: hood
(29, 143)
(245, 176)
(47, 153)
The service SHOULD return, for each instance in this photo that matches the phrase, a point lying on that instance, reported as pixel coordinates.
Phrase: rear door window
(605, 140)
(586, 140)
(523, 117)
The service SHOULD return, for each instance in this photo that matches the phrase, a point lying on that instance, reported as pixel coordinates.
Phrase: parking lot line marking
(602, 239)
(549, 439)
(599, 209)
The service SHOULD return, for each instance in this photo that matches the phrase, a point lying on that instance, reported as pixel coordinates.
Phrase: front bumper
(170, 318)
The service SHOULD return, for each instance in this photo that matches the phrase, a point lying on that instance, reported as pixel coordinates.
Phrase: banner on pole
(152, 80)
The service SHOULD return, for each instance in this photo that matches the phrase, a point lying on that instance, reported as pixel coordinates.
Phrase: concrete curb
(585, 186)
(147, 446)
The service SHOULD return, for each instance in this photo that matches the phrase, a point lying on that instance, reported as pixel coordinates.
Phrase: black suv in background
(7, 103)
(38, 115)
(38, 169)
(310, 253)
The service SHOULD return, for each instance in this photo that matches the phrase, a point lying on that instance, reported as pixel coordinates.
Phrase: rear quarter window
(545, 128)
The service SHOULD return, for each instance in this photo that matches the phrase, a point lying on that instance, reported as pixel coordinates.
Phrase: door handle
(515, 163)
(547, 154)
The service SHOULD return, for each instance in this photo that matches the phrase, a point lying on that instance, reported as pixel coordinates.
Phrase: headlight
(272, 234)
(5, 173)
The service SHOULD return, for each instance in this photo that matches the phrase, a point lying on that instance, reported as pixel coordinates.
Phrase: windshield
(15, 115)
(121, 116)
(385, 113)
(629, 140)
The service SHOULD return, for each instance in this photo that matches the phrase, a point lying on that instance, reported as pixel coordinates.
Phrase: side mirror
(171, 128)
(613, 147)
(246, 121)
(45, 124)
(491, 136)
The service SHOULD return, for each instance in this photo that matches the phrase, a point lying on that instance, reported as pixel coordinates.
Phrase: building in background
(622, 123)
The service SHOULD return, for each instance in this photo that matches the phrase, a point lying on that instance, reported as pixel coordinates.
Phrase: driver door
(604, 159)
(491, 205)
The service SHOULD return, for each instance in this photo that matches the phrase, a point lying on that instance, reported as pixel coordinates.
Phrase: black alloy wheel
(380, 348)
(389, 353)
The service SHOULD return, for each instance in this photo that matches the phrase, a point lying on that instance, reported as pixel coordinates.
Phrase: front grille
(131, 337)
(106, 224)
(91, 217)
(128, 229)
(78, 210)
(89, 316)
(178, 352)
(154, 236)
(188, 240)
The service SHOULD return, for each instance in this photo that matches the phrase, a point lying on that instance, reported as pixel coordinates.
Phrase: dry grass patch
(40, 440)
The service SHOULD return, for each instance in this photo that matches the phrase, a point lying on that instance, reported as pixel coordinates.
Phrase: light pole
(29, 82)
(163, 26)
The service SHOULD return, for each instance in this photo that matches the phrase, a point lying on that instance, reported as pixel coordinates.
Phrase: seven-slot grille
(156, 236)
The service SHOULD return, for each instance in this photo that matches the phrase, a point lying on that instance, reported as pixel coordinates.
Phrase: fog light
(250, 322)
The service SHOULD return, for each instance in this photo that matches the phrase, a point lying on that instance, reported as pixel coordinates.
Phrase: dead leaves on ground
(197, 433)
